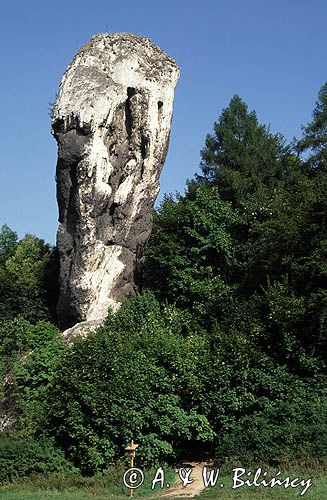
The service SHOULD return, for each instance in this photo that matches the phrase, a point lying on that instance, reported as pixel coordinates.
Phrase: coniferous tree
(315, 134)
(242, 157)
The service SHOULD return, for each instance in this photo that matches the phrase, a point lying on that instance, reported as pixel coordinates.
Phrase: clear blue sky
(272, 53)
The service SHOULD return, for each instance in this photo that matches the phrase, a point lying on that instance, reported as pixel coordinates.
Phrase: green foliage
(218, 258)
(288, 429)
(20, 458)
(13, 340)
(284, 260)
(143, 376)
(29, 357)
(24, 273)
(137, 377)
(315, 134)
(18, 336)
(35, 373)
(243, 158)
(8, 243)
(190, 252)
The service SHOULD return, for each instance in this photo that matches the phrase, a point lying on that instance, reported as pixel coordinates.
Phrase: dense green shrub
(29, 357)
(21, 457)
(135, 378)
(17, 336)
(288, 429)
(259, 410)
(19, 339)
(34, 374)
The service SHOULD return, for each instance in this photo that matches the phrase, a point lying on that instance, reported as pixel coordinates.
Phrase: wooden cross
(131, 451)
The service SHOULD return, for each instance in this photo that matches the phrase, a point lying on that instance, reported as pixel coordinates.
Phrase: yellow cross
(131, 451)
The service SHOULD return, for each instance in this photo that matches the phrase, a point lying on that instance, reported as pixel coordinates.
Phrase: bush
(34, 374)
(29, 359)
(287, 430)
(21, 457)
(18, 336)
(263, 413)
(135, 378)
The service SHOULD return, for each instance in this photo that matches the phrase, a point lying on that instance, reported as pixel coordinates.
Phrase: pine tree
(315, 134)
(242, 157)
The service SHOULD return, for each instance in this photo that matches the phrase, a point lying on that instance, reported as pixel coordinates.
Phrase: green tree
(242, 157)
(25, 274)
(315, 134)
(8, 243)
(190, 253)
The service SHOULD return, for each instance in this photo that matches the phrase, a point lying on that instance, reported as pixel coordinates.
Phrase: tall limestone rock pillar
(111, 120)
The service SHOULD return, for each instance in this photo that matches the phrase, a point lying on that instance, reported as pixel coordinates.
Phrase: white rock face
(111, 120)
